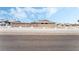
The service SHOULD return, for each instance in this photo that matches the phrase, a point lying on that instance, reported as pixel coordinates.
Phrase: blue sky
(29, 14)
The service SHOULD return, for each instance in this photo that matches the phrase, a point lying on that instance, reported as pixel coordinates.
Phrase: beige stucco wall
(20, 25)
(50, 25)
(33, 25)
(47, 25)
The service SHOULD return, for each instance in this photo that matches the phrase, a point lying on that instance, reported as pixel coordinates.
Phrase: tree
(77, 20)
(6, 21)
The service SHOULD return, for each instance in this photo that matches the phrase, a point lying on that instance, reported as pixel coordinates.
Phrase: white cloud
(3, 12)
(29, 12)
(18, 13)
(47, 12)
(30, 9)
(51, 11)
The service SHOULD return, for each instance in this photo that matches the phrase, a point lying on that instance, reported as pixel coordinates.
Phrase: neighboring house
(41, 24)
(20, 24)
(36, 24)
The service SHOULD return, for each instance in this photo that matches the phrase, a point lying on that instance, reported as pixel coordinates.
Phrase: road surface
(39, 42)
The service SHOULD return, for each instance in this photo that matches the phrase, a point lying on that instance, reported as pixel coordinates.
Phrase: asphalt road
(39, 42)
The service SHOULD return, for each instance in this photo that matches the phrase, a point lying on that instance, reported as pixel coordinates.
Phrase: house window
(46, 23)
(42, 23)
